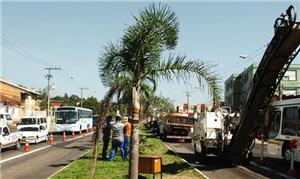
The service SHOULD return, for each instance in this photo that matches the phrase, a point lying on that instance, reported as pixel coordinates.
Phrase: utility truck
(8, 138)
(212, 132)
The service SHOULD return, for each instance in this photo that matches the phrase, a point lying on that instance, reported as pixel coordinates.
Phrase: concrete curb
(186, 162)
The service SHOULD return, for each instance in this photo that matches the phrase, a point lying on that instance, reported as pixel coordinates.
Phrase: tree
(139, 57)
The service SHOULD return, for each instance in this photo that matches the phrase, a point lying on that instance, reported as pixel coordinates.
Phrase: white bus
(284, 125)
(71, 118)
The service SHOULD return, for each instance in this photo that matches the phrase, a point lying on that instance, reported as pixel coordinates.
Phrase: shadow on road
(61, 164)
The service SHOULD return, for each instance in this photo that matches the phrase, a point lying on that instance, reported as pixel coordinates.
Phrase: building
(238, 86)
(18, 101)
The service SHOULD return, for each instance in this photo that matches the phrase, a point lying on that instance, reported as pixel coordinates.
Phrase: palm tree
(139, 57)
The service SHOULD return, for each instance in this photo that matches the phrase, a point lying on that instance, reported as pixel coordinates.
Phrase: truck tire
(203, 152)
(187, 140)
(195, 151)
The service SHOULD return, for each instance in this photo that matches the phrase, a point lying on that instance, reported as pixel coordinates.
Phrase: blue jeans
(115, 144)
(126, 146)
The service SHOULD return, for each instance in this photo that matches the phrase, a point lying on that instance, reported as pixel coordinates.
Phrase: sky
(71, 35)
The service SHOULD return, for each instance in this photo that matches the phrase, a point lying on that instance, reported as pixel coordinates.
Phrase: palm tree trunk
(134, 147)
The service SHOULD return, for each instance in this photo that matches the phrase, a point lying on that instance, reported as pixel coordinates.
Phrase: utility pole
(81, 89)
(188, 95)
(49, 76)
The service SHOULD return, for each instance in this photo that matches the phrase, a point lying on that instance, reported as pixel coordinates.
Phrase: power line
(30, 56)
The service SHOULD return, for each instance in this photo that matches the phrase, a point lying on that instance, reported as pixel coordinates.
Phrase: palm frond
(180, 68)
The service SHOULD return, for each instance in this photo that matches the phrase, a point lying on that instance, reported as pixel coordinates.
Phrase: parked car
(8, 138)
(7, 117)
(34, 133)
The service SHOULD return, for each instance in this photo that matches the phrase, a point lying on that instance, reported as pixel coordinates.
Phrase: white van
(30, 121)
(6, 117)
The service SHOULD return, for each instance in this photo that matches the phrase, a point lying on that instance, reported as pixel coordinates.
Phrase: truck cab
(8, 138)
(177, 126)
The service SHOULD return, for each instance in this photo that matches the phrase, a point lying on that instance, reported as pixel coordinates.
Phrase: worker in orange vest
(127, 136)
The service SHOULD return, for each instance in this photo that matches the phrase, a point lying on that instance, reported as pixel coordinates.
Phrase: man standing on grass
(117, 138)
(106, 136)
(127, 136)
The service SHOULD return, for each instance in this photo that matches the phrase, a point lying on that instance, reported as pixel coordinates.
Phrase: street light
(247, 57)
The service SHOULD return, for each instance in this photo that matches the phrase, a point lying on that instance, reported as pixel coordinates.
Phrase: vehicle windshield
(181, 120)
(291, 121)
(274, 124)
(28, 121)
(29, 129)
(66, 117)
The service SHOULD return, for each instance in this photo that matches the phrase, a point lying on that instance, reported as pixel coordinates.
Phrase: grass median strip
(173, 166)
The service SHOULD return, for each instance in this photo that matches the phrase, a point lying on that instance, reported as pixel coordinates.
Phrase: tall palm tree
(139, 56)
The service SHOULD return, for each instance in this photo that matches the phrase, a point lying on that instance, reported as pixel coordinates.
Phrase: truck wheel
(17, 147)
(287, 155)
(164, 138)
(195, 151)
(187, 140)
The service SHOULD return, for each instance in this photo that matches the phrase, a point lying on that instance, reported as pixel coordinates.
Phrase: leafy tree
(91, 103)
(139, 57)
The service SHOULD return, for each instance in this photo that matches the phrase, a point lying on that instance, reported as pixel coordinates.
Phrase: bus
(284, 125)
(71, 118)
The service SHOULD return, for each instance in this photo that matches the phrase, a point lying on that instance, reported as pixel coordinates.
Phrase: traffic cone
(73, 134)
(80, 132)
(26, 146)
(51, 139)
(64, 137)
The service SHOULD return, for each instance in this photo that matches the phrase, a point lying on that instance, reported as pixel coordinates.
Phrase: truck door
(6, 136)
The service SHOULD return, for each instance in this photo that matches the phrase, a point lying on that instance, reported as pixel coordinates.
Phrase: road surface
(44, 162)
(214, 167)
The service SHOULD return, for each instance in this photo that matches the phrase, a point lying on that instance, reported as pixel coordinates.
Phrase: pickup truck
(8, 138)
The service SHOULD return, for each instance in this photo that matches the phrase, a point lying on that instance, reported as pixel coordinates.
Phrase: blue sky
(71, 35)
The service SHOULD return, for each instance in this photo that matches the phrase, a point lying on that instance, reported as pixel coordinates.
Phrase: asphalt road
(274, 164)
(46, 161)
(214, 167)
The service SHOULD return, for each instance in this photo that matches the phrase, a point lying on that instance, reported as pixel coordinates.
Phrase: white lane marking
(186, 161)
(67, 165)
(24, 154)
(36, 150)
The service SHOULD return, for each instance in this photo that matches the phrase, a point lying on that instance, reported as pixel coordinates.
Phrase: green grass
(173, 166)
